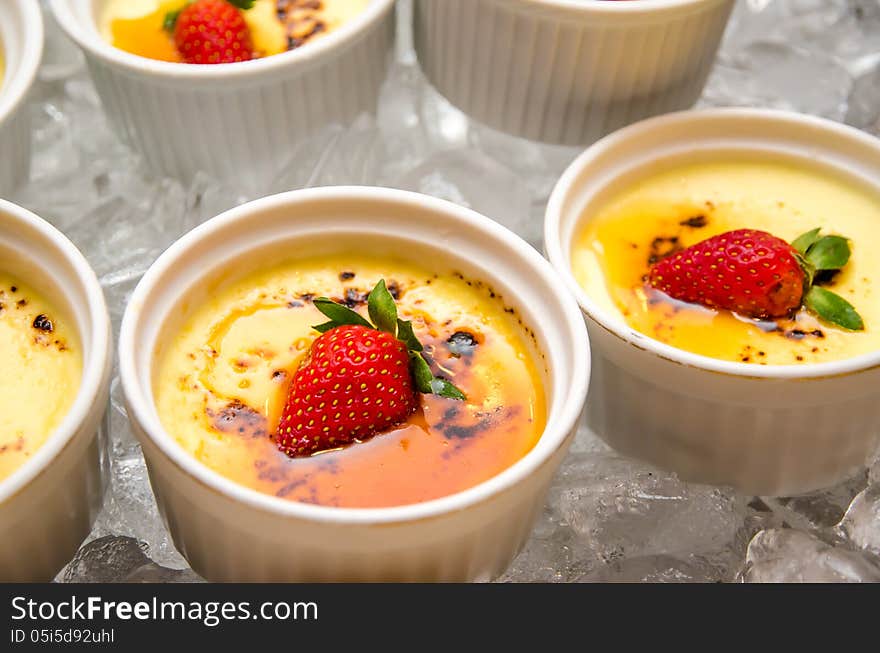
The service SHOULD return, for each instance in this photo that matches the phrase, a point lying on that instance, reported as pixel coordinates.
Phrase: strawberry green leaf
(170, 21)
(444, 388)
(242, 4)
(325, 327)
(382, 309)
(340, 315)
(829, 253)
(833, 308)
(803, 242)
(405, 333)
(421, 372)
(429, 384)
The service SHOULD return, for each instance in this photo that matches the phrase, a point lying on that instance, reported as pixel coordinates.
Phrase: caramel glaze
(444, 446)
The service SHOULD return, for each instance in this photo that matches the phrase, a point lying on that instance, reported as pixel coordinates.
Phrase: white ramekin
(237, 122)
(568, 71)
(231, 533)
(21, 41)
(768, 430)
(47, 505)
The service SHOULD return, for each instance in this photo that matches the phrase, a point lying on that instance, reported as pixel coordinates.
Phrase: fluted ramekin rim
(96, 46)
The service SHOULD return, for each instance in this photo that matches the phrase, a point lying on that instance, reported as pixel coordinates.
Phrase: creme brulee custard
(223, 379)
(140, 26)
(665, 212)
(42, 367)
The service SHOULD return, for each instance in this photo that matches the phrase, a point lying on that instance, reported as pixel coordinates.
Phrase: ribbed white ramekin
(568, 71)
(237, 122)
(21, 41)
(768, 430)
(228, 532)
(47, 506)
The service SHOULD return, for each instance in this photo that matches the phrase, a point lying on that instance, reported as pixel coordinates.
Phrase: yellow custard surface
(276, 26)
(42, 368)
(685, 204)
(223, 379)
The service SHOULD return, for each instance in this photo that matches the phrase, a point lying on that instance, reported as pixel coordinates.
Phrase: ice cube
(789, 556)
(861, 524)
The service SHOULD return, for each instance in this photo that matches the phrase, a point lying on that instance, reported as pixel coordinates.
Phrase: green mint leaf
(833, 308)
(444, 388)
(242, 4)
(170, 21)
(427, 383)
(325, 327)
(421, 373)
(339, 314)
(405, 333)
(829, 253)
(382, 308)
(803, 242)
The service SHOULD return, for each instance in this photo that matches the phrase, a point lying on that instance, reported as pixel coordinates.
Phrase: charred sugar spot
(301, 20)
(663, 246)
(237, 417)
(462, 343)
(826, 277)
(485, 421)
(695, 222)
(18, 445)
(287, 488)
(353, 298)
(13, 289)
(346, 276)
(21, 303)
(450, 413)
(279, 376)
(395, 290)
(43, 323)
(800, 334)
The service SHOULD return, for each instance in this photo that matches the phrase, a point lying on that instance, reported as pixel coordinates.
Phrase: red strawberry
(212, 31)
(758, 275)
(354, 383)
(357, 380)
(751, 272)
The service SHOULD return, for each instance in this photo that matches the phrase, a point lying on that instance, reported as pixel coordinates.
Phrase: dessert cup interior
(39, 255)
(434, 234)
(79, 19)
(21, 43)
(623, 158)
